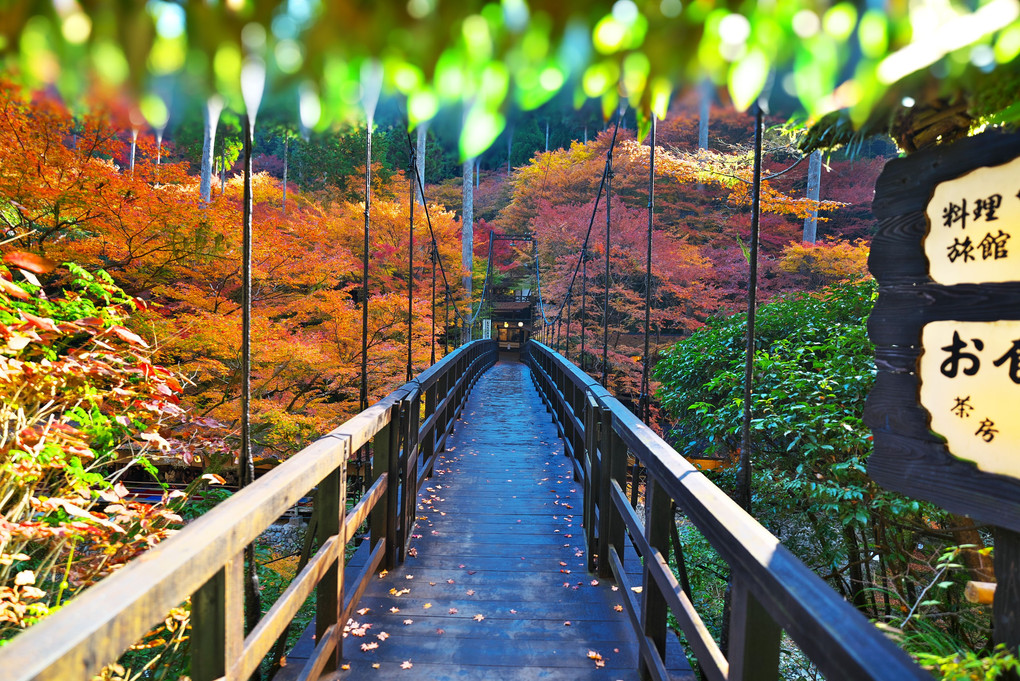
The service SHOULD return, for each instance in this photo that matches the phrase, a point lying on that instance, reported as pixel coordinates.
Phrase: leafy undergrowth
(82, 404)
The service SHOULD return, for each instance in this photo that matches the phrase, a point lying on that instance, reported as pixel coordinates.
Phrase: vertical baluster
(429, 446)
(754, 636)
(380, 521)
(217, 621)
(605, 438)
(658, 516)
(591, 476)
(330, 502)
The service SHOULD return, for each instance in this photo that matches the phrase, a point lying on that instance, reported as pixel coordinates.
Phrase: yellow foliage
(827, 262)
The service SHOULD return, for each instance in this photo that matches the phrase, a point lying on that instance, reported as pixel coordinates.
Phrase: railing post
(591, 476)
(754, 636)
(217, 622)
(606, 510)
(658, 516)
(429, 446)
(330, 502)
(382, 520)
(410, 469)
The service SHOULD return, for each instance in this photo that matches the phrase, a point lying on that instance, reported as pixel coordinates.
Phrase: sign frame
(908, 456)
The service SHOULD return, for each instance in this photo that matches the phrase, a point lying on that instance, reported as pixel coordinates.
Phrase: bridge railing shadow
(204, 561)
(771, 590)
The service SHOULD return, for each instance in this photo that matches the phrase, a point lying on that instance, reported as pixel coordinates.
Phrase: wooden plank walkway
(495, 585)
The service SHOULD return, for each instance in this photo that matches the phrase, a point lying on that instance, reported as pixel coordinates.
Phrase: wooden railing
(205, 560)
(771, 590)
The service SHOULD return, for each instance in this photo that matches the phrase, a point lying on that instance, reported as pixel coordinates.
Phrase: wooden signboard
(945, 409)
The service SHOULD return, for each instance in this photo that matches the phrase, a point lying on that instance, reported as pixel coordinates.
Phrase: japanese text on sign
(970, 384)
(974, 227)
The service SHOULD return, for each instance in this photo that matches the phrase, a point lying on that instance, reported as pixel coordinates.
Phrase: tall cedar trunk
(509, 147)
(423, 130)
(965, 532)
(858, 595)
(213, 108)
(467, 225)
(286, 148)
(814, 182)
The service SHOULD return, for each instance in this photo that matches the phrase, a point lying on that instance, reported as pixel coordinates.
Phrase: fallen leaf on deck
(406, 664)
(513, 612)
(440, 632)
(449, 581)
(375, 665)
(364, 611)
(382, 636)
(594, 582)
(453, 611)
(345, 666)
(394, 610)
(369, 646)
(479, 617)
(470, 592)
(618, 608)
(406, 622)
(412, 552)
(427, 606)
(567, 623)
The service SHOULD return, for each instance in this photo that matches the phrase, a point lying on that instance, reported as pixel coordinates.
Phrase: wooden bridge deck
(495, 586)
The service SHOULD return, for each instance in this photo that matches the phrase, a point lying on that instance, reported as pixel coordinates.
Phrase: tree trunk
(858, 597)
(286, 146)
(814, 183)
(213, 109)
(134, 144)
(509, 147)
(704, 104)
(423, 129)
(547, 134)
(467, 225)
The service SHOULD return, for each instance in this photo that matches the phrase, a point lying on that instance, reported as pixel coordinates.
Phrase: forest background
(78, 187)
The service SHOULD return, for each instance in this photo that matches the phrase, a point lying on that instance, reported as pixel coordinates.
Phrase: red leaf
(36, 264)
(13, 290)
(129, 336)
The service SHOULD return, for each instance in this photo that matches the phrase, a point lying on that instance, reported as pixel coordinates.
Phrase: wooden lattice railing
(771, 590)
(205, 560)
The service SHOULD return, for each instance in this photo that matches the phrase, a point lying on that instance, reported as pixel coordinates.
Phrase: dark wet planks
(496, 585)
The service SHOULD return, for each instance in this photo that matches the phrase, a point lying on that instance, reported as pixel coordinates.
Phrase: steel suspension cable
(432, 344)
(645, 397)
(584, 301)
(744, 470)
(363, 393)
(598, 197)
(605, 309)
(442, 270)
(410, 266)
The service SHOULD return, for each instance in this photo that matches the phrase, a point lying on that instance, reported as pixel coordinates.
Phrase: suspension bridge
(517, 522)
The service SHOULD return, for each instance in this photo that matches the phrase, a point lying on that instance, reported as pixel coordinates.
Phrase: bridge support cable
(584, 302)
(413, 172)
(744, 470)
(605, 308)
(363, 391)
(252, 90)
(432, 341)
(645, 390)
(566, 344)
(581, 265)
(466, 321)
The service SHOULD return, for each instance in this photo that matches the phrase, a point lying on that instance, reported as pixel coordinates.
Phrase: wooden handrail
(772, 591)
(205, 559)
